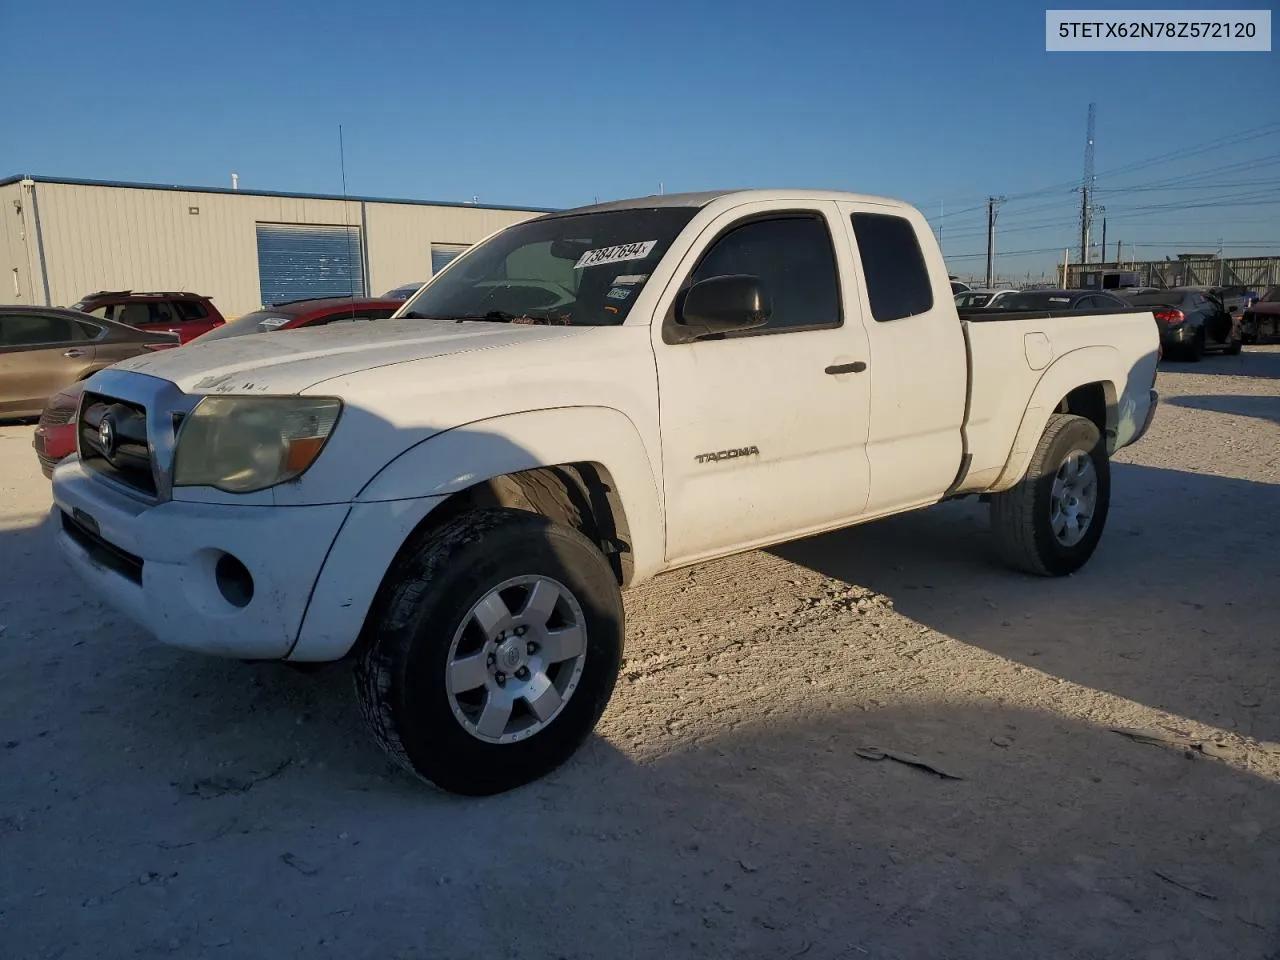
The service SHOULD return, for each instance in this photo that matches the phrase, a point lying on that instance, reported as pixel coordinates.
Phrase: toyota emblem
(107, 435)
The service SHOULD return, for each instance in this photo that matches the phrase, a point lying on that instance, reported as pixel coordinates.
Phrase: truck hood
(289, 361)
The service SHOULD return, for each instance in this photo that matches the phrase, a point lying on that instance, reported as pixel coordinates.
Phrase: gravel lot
(156, 803)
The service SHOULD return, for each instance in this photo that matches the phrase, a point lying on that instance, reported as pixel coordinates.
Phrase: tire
(423, 620)
(1022, 517)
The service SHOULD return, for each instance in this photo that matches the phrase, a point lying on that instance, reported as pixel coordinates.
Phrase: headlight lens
(243, 444)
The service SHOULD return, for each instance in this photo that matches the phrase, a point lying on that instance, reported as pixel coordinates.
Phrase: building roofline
(181, 188)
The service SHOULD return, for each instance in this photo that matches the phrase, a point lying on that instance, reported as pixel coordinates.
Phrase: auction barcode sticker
(617, 254)
(1200, 31)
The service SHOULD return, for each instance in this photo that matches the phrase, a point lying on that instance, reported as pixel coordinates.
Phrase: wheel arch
(585, 466)
(1087, 382)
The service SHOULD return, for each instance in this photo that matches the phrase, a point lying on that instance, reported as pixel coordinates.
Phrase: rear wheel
(1049, 524)
(493, 651)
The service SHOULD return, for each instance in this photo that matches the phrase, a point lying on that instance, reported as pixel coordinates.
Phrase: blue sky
(557, 103)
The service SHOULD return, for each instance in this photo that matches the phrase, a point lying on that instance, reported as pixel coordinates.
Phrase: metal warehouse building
(62, 239)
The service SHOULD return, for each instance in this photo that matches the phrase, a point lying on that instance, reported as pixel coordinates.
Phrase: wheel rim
(516, 659)
(1074, 499)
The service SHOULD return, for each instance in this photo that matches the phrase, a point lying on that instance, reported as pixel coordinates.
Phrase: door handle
(73, 353)
(856, 367)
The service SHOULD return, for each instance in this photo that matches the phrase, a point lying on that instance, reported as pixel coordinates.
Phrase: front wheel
(493, 651)
(1049, 524)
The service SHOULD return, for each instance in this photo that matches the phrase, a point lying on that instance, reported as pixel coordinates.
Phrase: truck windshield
(578, 270)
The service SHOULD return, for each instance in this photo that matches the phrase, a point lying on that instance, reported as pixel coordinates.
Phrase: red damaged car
(305, 313)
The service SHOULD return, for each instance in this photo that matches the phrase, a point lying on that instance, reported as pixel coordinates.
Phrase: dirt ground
(155, 803)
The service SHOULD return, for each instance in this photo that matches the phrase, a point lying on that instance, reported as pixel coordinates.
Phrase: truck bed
(1015, 358)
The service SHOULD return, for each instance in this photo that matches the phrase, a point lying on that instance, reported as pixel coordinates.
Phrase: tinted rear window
(898, 283)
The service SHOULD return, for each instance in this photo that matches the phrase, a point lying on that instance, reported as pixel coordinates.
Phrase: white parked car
(455, 497)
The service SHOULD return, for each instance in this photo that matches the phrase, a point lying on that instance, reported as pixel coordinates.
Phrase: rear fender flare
(1075, 369)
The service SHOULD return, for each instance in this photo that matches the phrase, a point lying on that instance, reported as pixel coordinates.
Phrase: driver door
(764, 431)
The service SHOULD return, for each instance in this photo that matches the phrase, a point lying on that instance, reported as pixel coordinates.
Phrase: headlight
(243, 444)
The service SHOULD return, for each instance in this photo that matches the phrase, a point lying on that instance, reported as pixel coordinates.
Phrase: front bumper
(53, 444)
(159, 563)
(315, 570)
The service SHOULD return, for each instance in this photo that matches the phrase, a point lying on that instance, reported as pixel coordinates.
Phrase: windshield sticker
(1059, 299)
(627, 278)
(618, 293)
(617, 254)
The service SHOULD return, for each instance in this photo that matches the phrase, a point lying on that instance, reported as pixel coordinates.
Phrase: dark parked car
(1090, 301)
(42, 349)
(305, 313)
(1261, 318)
(1192, 321)
(187, 315)
(404, 291)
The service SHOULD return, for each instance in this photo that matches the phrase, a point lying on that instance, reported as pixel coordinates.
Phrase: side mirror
(723, 305)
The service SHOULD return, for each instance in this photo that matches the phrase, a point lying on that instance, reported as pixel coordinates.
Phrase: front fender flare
(463, 456)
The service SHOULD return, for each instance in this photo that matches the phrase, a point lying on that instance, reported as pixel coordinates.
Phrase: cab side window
(795, 261)
(898, 283)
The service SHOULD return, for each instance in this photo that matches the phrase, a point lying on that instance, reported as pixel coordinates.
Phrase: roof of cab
(703, 198)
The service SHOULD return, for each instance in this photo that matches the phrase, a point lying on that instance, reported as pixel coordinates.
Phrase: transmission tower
(1086, 188)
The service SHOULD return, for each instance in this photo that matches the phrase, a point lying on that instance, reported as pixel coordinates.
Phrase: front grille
(126, 457)
(107, 554)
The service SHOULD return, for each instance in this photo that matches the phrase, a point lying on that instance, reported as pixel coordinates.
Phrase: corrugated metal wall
(113, 238)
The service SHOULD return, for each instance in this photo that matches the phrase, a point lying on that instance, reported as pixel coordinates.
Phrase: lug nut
(500, 677)
(531, 648)
(490, 660)
(522, 673)
(520, 631)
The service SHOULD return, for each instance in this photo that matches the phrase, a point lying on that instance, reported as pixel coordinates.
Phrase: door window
(794, 259)
(27, 330)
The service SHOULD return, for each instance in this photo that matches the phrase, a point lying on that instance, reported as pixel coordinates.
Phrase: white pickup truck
(454, 497)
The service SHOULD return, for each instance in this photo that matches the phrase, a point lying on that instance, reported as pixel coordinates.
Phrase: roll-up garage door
(297, 261)
(442, 253)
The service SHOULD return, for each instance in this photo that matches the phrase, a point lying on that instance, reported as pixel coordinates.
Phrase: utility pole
(993, 204)
(1102, 247)
(1086, 185)
(1119, 255)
